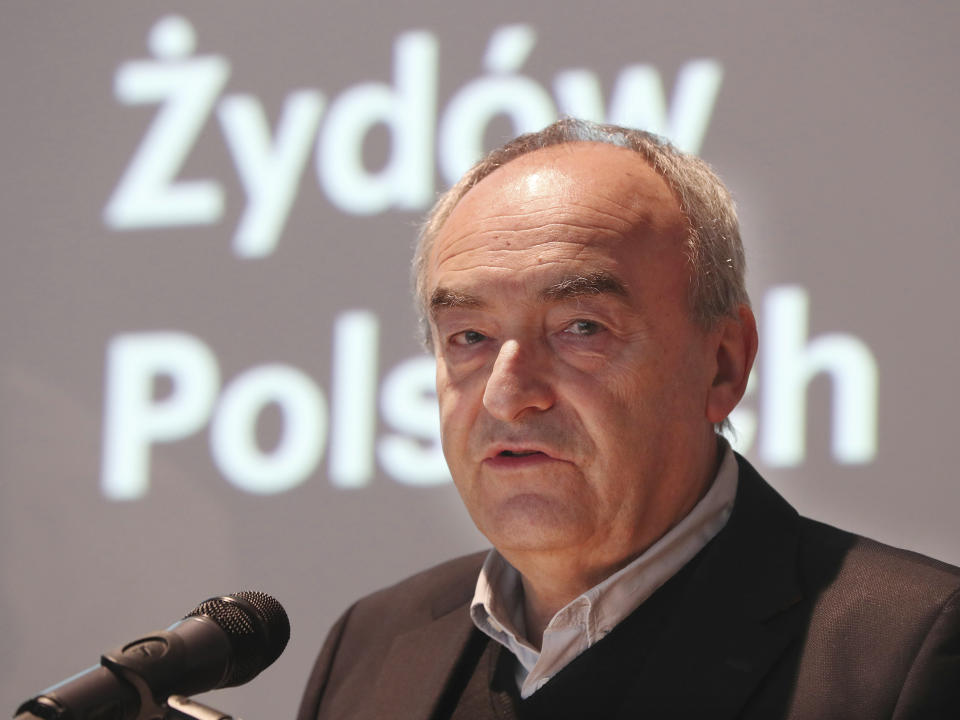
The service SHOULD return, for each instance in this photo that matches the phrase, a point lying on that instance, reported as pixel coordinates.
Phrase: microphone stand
(137, 661)
(176, 707)
(183, 708)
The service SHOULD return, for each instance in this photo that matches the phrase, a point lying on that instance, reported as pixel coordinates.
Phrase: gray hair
(713, 246)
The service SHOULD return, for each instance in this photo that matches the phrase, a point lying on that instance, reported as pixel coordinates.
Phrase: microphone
(224, 641)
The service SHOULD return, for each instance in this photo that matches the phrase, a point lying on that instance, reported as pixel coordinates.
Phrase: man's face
(571, 377)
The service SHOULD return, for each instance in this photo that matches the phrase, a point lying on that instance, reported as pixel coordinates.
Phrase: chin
(534, 522)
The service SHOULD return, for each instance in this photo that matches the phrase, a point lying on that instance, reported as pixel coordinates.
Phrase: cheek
(449, 389)
(607, 407)
(627, 410)
(665, 378)
(632, 385)
(447, 402)
(459, 403)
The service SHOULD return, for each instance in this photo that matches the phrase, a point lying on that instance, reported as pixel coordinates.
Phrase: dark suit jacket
(780, 617)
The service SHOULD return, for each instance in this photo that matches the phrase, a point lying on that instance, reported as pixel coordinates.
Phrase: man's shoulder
(852, 581)
(876, 575)
(424, 615)
(827, 551)
(883, 557)
(427, 594)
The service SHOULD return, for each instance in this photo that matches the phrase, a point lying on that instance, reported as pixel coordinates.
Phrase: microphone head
(258, 629)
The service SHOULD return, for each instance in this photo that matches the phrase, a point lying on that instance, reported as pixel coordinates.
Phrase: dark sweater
(595, 684)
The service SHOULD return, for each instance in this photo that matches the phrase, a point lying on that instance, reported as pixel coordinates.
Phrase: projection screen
(211, 377)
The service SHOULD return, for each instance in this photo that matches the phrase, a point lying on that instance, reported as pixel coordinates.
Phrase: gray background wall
(210, 377)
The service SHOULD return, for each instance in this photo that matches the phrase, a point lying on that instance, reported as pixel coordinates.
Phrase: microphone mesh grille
(258, 629)
(232, 619)
(274, 616)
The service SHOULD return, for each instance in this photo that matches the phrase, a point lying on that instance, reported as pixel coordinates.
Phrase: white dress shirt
(497, 607)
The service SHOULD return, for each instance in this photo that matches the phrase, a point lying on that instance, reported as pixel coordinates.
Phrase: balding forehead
(573, 191)
(566, 172)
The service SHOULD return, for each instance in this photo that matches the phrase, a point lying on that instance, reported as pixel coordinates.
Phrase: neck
(549, 588)
(553, 579)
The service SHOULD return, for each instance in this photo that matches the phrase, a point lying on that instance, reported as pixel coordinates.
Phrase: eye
(468, 337)
(583, 328)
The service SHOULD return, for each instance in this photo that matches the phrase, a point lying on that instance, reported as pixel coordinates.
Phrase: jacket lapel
(420, 662)
(737, 614)
(735, 617)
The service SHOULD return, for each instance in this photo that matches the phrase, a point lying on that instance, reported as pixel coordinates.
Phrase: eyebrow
(445, 298)
(570, 287)
(574, 286)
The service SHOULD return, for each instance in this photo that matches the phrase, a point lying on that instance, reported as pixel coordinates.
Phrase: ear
(736, 347)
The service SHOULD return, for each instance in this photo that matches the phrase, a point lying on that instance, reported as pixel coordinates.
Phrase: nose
(519, 382)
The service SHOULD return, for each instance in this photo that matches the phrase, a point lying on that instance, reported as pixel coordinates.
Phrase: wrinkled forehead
(578, 192)
(574, 170)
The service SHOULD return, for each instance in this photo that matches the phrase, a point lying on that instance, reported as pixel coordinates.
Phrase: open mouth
(519, 453)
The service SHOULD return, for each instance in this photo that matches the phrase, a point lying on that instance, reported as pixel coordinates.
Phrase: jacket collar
(421, 661)
(738, 613)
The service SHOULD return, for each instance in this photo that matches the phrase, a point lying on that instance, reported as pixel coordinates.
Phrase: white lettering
(471, 109)
(134, 419)
(408, 402)
(408, 110)
(693, 99)
(788, 367)
(146, 195)
(638, 100)
(410, 452)
(233, 440)
(270, 172)
(354, 422)
(270, 167)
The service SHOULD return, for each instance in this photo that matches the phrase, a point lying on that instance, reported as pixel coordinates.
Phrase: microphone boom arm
(183, 708)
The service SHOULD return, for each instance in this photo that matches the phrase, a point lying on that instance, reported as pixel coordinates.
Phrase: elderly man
(583, 293)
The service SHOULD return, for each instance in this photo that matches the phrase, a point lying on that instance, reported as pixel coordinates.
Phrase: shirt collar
(497, 606)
